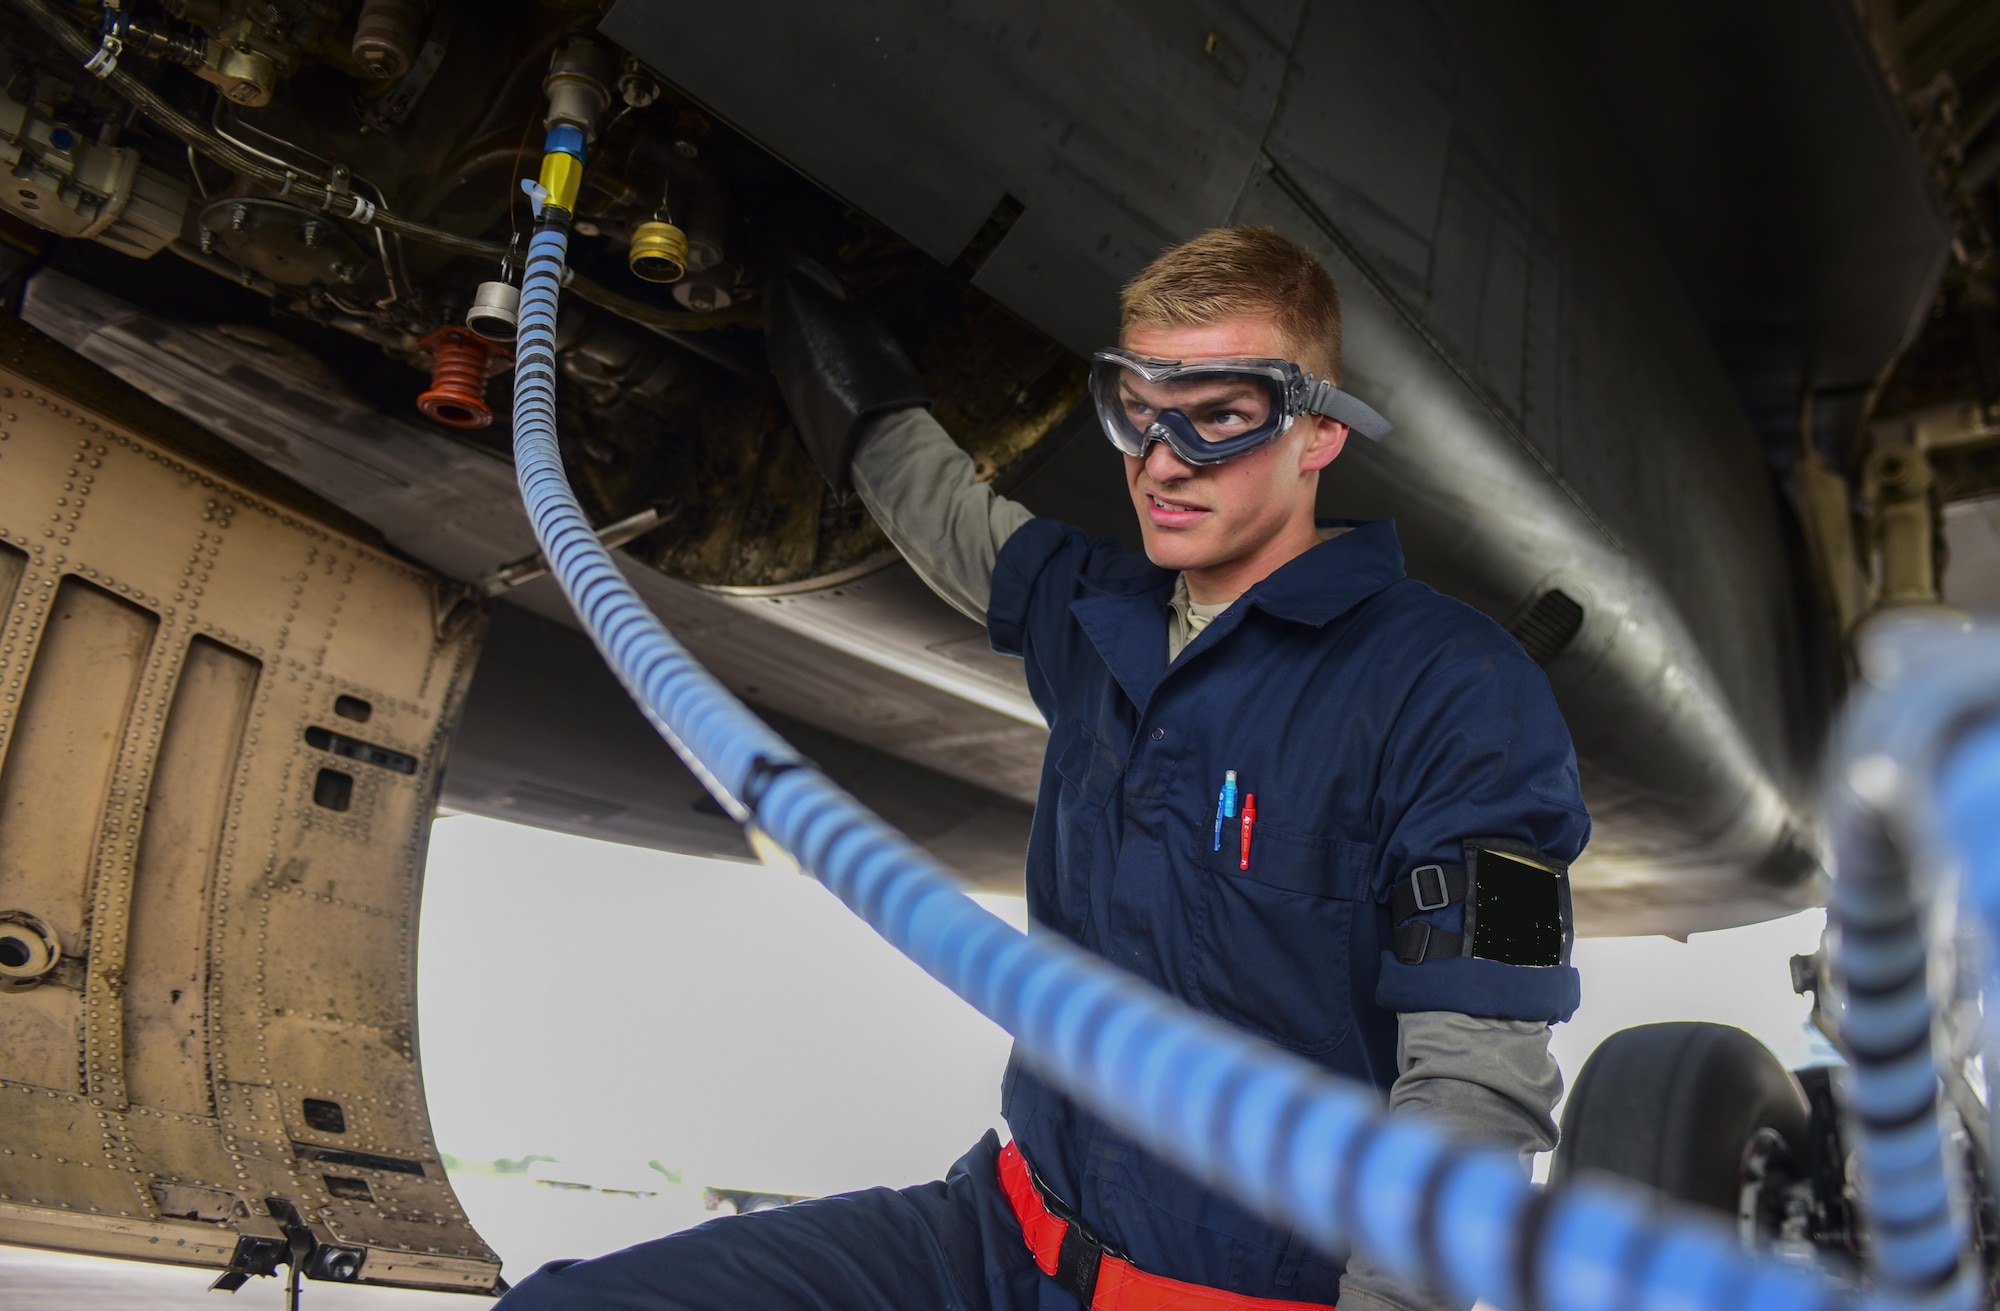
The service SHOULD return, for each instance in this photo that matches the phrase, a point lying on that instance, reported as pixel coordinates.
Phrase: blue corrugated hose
(1303, 1148)
(1916, 1230)
(1969, 802)
(1913, 791)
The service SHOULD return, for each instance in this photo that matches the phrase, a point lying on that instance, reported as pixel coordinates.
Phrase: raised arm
(920, 488)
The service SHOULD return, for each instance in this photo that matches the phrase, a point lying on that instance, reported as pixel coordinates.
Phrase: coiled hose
(1913, 794)
(1917, 1235)
(1305, 1149)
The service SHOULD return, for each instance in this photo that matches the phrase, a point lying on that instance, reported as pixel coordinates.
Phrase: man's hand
(835, 364)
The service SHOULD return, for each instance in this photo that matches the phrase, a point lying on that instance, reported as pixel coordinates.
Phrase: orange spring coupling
(461, 362)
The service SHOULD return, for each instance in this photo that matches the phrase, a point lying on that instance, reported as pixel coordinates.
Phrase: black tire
(1678, 1107)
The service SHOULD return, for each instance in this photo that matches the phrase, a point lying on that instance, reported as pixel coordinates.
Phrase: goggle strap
(1318, 392)
(1322, 397)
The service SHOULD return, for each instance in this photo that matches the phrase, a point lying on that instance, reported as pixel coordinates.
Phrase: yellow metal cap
(659, 252)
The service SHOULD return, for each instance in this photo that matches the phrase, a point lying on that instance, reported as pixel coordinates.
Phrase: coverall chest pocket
(1090, 772)
(1278, 939)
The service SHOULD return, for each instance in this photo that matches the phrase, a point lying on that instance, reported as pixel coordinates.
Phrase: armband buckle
(1425, 876)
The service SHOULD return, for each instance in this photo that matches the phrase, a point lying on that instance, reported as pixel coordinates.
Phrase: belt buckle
(1078, 1261)
(1417, 887)
(1082, 1253)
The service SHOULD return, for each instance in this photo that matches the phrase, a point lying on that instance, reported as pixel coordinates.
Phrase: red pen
(1249, 822)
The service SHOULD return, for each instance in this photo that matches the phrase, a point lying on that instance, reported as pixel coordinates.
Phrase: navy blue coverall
(1378, 724)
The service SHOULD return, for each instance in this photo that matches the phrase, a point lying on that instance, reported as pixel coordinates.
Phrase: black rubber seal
(764, 771)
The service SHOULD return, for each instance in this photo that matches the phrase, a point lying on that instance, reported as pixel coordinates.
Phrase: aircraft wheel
(1702, 1112)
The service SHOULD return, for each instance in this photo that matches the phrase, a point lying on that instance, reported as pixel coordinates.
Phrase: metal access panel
(220, 740)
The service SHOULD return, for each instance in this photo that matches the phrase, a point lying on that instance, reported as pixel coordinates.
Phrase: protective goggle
(1208, 411)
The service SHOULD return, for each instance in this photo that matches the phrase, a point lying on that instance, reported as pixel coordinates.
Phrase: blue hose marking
(1893, 1012)
(1480, 1205)
(1899, 1089)
(1779, 1287)
(1262, 1125)
(1394, 1173)
(1602, 1232)
(1685, 1270)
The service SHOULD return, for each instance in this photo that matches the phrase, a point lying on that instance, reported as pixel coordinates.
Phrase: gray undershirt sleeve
(1489, 1081)
(920, 487)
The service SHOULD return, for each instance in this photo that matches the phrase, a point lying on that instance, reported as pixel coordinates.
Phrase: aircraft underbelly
(1568, 456)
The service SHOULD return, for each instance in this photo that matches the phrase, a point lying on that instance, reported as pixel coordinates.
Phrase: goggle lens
(1221, 408)
(1204, 415)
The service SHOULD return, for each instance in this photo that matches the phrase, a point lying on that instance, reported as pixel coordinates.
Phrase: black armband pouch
(1517, 907)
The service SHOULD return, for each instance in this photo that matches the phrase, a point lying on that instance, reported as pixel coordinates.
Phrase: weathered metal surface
(220, 741)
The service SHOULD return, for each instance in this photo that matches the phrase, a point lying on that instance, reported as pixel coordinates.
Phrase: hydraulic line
(1912, 794)
(306, 190)
(1303, 1148)
(1917, 1234)
(315, 193)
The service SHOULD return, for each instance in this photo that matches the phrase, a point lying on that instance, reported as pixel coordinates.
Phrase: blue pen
(1225, 805)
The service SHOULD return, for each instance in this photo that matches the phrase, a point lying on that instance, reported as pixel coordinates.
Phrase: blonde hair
(1228, 273)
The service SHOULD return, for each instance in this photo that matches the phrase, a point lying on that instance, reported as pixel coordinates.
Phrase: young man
(1407, 764)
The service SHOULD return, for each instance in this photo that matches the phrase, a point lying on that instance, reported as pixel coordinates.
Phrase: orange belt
(1100, 1280)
